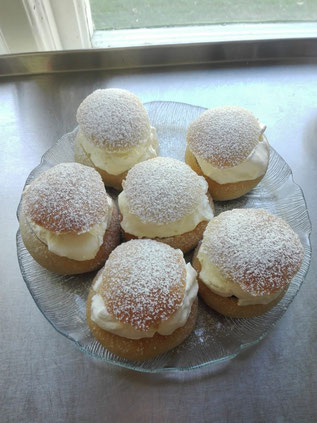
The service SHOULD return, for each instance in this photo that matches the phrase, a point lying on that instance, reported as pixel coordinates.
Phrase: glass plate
(62, 299)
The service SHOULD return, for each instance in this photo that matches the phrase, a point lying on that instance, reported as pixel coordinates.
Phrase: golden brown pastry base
(144, 348)
(114, 181)
(228, 306)
(185, 242)
(64, 265)
(221, 192)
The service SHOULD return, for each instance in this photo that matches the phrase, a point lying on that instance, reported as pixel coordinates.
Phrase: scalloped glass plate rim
(132, 366)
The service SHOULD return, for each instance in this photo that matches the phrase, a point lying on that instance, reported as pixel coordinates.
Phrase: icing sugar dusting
(224, 136)
(163, 190)
(143, 283)
(114, 119)
(253, 248)
(69, 197)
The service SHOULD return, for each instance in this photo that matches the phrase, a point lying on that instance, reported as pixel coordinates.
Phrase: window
(35, 25)
(127, 14)
(136, 22)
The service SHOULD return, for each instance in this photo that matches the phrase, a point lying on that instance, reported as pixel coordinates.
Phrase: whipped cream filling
(133, 225)
(117, 162)
(80, 247)
(252, 167)
(217, 283)
(105, 320)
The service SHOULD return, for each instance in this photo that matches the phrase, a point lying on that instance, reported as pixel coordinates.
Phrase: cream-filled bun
(227, 146)
(144, 301)
(68, 222)
(114, 134)
(246, 261)
(165, 200)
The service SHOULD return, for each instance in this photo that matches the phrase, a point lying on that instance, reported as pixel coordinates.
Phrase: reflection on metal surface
(168, 55)
(43, 378)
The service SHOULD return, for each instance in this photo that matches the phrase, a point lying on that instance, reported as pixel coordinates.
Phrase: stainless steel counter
(43, 377)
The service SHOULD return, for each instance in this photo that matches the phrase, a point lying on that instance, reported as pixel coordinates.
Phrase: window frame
(48, 25)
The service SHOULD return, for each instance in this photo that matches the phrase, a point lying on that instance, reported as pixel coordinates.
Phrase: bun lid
(143, 283)
(224, 136)
(68, 197)
(114, 119)
(163, 190)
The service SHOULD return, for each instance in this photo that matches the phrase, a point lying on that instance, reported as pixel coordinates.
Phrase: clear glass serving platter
(62, 299)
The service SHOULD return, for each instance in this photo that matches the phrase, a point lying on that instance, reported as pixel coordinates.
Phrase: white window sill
(201, 34)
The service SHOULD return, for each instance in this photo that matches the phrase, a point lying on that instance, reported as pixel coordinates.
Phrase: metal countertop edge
(158, 55)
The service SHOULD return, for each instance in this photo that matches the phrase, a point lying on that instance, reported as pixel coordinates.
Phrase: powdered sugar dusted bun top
(224, 136)
(163, 190)
(254, 249)
(69, 197)
(143, 283)
(114, 119)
